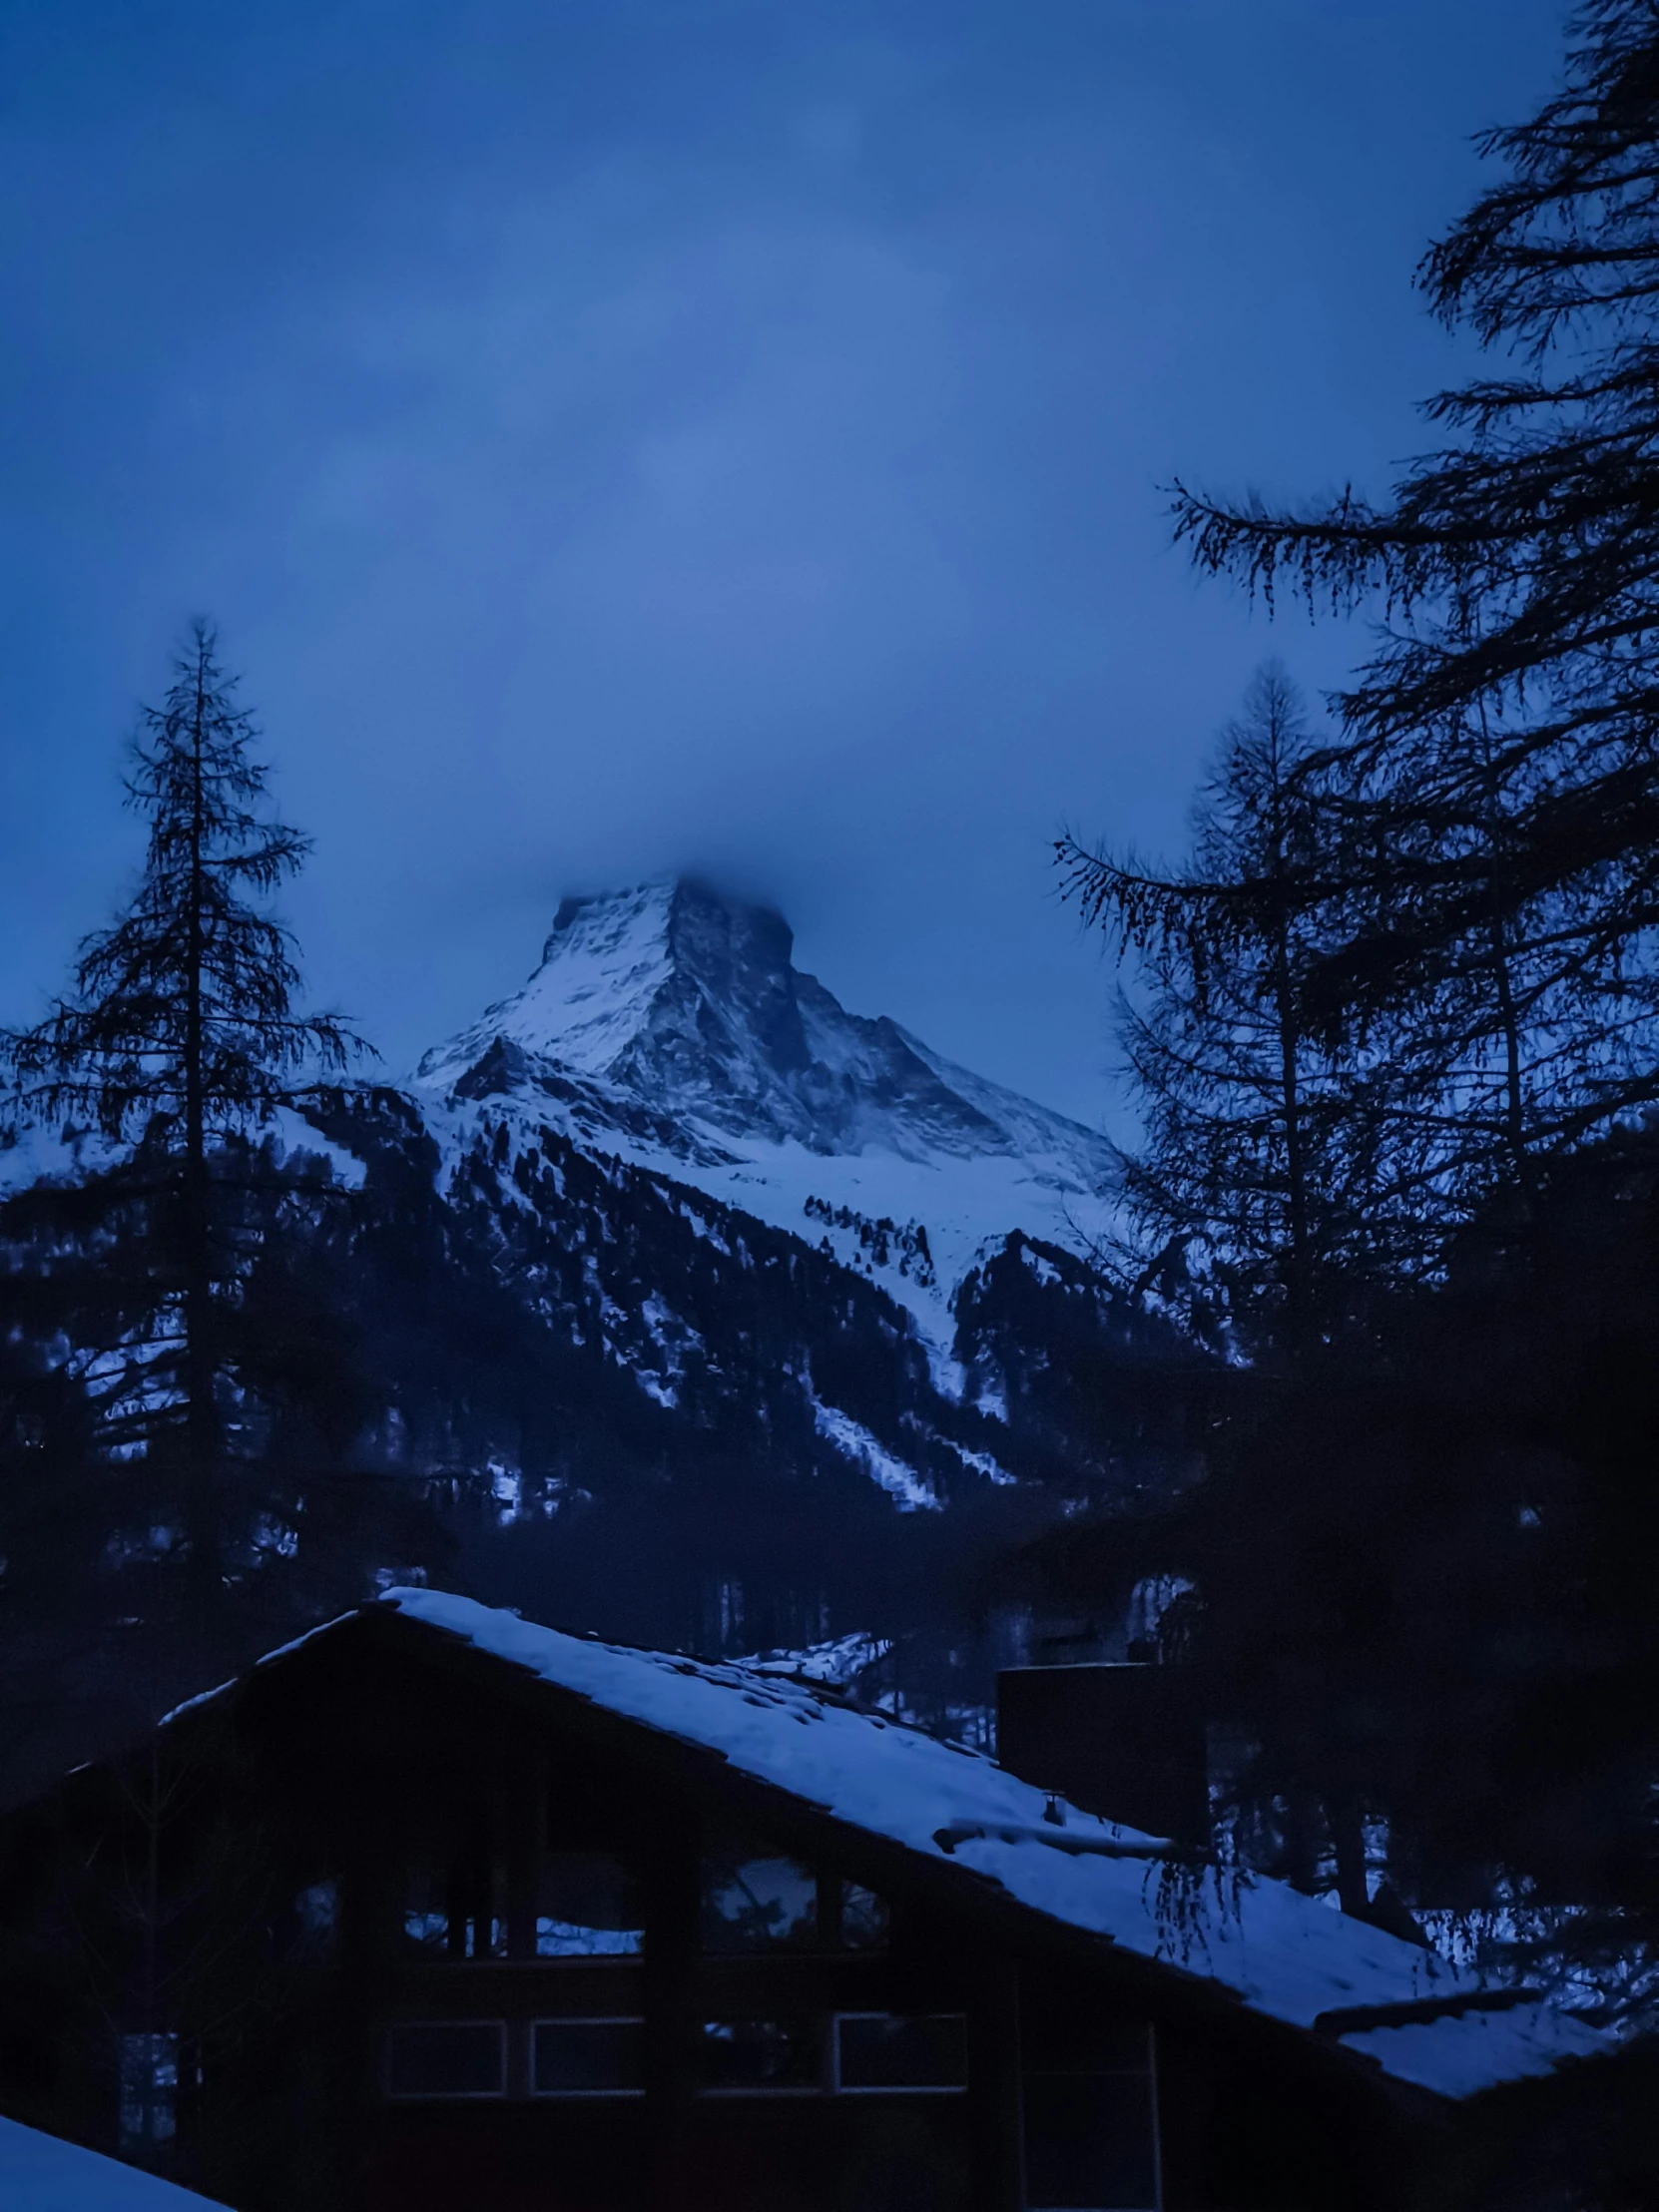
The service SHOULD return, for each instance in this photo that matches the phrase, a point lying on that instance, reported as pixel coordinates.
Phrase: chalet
(437, 1910)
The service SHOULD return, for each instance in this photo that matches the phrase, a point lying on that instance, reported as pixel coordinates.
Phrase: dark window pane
(456, 1911)
(589, 2057)
(1088, 2143)
(316, 1922)
(891, 2053)
(863, 1917)
(757, 1903)
(447, 2058)
(760, 2054)
(426, 1909)
(149, 2085)
(586, 1907)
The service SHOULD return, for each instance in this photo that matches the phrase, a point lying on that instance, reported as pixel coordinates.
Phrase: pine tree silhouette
(179, 1034)
(1504, 730)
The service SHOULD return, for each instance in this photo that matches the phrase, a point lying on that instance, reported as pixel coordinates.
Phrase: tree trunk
(1515, 1093)
(1300, 1286)
(1295, 1166)
(1347, 1838)
(196, 1237)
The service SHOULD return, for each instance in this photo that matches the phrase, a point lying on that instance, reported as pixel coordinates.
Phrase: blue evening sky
(617, 435)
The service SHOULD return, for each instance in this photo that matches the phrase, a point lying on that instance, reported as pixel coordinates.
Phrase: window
(756, 1900)
(149, 2091)
(864, 1918)
(745, 2057)
(447, 2058)
(426, 1909)
(586, 1907)
(316, 1922)
(455, 1910)
(883, 2052)
(1090, 2114)
(588, 2058)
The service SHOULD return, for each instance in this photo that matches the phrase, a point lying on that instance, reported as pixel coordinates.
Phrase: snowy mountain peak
(668, 1024)
(666, 983)
(688, 1001)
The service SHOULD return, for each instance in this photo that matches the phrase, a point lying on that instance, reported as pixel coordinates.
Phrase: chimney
(1125, 1741)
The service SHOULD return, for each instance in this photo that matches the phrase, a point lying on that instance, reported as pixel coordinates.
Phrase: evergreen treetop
(178, 1034)
(1508, 717)
(1278, 1155)
(184, 1008)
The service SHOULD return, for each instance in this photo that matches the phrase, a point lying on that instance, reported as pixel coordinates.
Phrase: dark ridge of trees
(1409, 983)
(1418, 1585)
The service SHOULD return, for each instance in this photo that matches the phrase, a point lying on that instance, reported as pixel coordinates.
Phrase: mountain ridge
(667, 1022)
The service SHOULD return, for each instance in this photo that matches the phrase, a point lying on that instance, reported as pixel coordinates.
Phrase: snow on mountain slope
(34, 1151)
(667, 1024)
(672, 1214)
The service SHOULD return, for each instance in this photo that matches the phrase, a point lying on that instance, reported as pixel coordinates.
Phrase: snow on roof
(1285, 1954)
(265, 1659)
(40, 2174)
(1458, 2057)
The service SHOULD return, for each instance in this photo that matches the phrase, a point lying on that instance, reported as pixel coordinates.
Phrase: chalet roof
(1290, 1957)
(42, 2173)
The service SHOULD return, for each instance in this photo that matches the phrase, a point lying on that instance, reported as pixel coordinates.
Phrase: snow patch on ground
(856, 1443)
(44, 1154)
(981, 1462)
(991, 1399)
(293, 1134)
(36, 1154)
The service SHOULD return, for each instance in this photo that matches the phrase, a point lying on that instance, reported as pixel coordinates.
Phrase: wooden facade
(391, 1926)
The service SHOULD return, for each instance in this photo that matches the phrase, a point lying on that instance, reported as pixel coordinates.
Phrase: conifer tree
(1421, 1578)
(179, 1036)
(1274, 1152)
(1506, 730)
